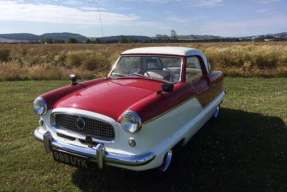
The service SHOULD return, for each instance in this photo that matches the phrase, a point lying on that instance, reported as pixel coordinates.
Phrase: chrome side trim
(96, 154)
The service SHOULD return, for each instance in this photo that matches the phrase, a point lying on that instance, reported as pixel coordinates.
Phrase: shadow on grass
(240, 151)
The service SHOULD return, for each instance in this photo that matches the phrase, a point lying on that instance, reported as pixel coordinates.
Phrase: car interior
(157, 69)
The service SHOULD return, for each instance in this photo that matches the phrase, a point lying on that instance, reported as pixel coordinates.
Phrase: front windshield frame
(180, 79)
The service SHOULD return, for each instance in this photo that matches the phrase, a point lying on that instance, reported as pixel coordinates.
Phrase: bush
(12, 71)
(87, 60)
(95, 61)
(74, 59)
(45, 72)
(4, 55)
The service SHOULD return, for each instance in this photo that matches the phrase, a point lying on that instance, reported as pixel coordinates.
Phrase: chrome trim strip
(84, 113)
(97, 154)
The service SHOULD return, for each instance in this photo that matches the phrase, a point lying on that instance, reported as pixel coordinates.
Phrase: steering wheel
(170, 73)
(147, 74)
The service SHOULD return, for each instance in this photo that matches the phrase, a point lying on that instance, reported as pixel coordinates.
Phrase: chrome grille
(91, 127)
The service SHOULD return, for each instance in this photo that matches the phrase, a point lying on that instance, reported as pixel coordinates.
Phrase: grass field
(56, 61)
(244, 150)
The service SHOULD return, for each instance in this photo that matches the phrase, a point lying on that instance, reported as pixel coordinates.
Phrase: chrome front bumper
(96, 153)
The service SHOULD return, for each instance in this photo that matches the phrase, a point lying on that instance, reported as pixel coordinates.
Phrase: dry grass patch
(88, 60)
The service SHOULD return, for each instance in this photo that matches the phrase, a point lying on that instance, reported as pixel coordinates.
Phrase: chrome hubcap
(167, 161)
(216, 112)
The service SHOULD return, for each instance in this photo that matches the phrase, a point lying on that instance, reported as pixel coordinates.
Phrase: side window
(193, 69)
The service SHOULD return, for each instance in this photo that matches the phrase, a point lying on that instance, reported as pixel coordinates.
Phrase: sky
(96, 18)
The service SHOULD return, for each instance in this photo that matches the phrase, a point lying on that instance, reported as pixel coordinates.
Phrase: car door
(197, 79)
(197, 86)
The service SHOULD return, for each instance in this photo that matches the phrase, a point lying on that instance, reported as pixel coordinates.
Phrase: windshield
(166, 68)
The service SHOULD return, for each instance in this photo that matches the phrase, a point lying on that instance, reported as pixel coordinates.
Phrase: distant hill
(182, 38)
(73, 38)
(278, 36)
(19, 37)
(51, 37)
(281, 35)
(63, 37)
(198, 37)
(266, 37)
(123, 39)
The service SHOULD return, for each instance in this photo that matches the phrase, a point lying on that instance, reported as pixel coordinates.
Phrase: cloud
(267, 1)
(28, 12)
(262, 11)
(246, 27)
(80, 16)
(191, 3)
(206, 3)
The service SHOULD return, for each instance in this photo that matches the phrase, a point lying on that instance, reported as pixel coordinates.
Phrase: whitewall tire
(216, 113)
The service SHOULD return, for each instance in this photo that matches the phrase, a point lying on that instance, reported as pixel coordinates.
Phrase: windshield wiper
(119, 75)
(138, 75)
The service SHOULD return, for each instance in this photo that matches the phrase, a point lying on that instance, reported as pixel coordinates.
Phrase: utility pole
(99, 17)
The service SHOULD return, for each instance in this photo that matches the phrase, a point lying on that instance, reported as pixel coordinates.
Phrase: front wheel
(166, 161)
(166, 166)
(216, 113)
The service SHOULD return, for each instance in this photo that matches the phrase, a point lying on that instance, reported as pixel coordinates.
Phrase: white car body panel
(180, 51)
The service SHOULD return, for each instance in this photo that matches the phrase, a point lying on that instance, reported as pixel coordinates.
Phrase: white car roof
(182, 51)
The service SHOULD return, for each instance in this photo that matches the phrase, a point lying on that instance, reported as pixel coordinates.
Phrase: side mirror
(74, 79)
(167, 87)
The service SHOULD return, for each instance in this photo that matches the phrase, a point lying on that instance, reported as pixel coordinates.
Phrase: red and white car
(152, 100)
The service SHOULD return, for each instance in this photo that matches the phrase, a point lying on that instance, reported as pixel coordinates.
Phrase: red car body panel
(113, 97)
(54, 95)
(110, 97)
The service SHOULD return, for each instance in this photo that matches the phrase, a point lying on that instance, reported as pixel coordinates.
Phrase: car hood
(110, 97)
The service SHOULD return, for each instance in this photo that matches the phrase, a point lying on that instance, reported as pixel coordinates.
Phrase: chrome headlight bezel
(131, 122)
(40, 106)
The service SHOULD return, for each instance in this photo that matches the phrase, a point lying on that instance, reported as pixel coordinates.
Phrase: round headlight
(40, 106)
(131, 122)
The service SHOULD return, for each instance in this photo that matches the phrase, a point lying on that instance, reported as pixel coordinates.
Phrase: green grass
(244, 150)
